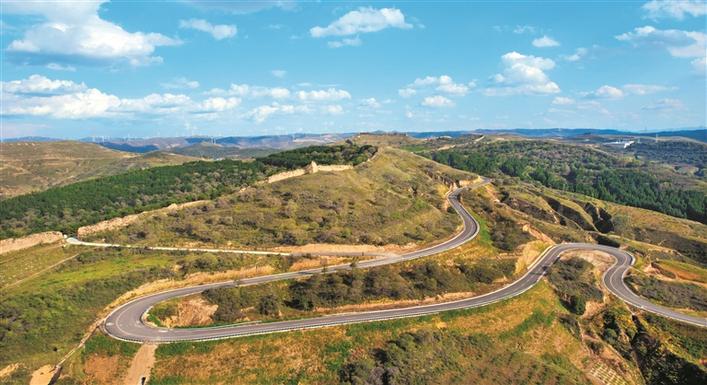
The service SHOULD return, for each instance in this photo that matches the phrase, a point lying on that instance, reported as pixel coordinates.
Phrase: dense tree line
(348, 153)
(69, 207)
(578, 169)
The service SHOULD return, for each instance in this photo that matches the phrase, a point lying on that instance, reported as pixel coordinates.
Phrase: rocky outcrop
(14, 244)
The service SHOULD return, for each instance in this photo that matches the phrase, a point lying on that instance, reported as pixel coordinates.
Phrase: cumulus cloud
(437, 101)
(75, 33)
(605, 92)
(442, 83)
(41, 85)
(218, 32)
(523, 74)
(363, 20)
(645, 89)
(407, 92)
(562, 101)
(371, 103)
(64, 99)
(578, 54)
(682, 44)
(263, 113)
(674, 9)
(180, 83)
(353, 42)
(545, 42)
(331, 94)
(665, 105)
(250, 91)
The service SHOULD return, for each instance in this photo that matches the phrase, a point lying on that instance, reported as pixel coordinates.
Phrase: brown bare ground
(332, 247)
(141, 365)
(192, 311)
(8, 370)
(100, 369)
(42, 376)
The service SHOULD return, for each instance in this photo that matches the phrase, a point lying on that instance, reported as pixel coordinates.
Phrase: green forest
(69, 207)
(578, 169)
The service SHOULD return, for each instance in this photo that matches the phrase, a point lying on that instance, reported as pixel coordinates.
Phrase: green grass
(19, 265)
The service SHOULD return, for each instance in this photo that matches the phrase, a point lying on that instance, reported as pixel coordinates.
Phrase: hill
(396, 197)
(216, 151)
(35, 166)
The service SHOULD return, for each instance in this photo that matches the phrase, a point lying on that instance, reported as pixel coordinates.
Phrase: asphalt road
(126, 322)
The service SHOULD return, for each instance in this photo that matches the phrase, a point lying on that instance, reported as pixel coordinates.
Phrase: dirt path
(42, 376)
(140, 367)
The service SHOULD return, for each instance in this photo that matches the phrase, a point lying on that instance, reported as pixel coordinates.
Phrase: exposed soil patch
(192, 311)
(141, 366)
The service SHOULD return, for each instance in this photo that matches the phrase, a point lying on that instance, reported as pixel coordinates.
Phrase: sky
(75, 69)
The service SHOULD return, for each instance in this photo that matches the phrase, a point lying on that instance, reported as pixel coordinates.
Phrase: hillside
(216, 151)
(395, 198)
(35, 166)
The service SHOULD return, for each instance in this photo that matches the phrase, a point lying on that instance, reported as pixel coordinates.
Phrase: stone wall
(311, 168)
(14, 244)
(117, 223)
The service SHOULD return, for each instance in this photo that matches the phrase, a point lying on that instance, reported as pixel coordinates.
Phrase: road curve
(126, 322)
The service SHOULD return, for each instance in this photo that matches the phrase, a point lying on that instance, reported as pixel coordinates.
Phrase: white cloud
(562, 101)
(545, 42)
(334, 109)
(247, 90)
(64, 99)
(218, 104)
(645, 89)
(331, 94)
(40, 85)
(700, 65)
(180, 83)
(371, 103)
(407, 92)
(74, 32)
(59, 67)
(354, 42)
(218, 32)
(279, 73)
(263, 113)
(674, 9)
(363, 20)
(443, 83)
(522, 29)
(682, 44)
(605, 92)
(437, 101)
(578, 54)
(665, 105)
(523, 74)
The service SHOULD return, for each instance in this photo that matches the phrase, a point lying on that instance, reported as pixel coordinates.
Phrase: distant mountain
(31, 139)
(130, 148)
(216, 151)
(698, 133)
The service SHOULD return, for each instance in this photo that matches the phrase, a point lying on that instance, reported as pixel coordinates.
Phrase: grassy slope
(28, 167)
(391, 199)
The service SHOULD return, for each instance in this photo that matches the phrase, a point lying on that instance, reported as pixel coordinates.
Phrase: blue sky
(141, 69)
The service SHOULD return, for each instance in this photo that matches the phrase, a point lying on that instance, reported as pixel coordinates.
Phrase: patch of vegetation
(575, 283)
(432, 356)
(34, 166)
(104, 345)
(69, 207)
(578, 169)
(348, 153)
(342, 288)
(674, 294)
(672, 152)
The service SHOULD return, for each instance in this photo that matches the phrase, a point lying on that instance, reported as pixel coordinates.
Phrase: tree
(269, 305)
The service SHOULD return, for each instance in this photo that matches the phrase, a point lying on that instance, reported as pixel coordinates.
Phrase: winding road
(127, 321)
